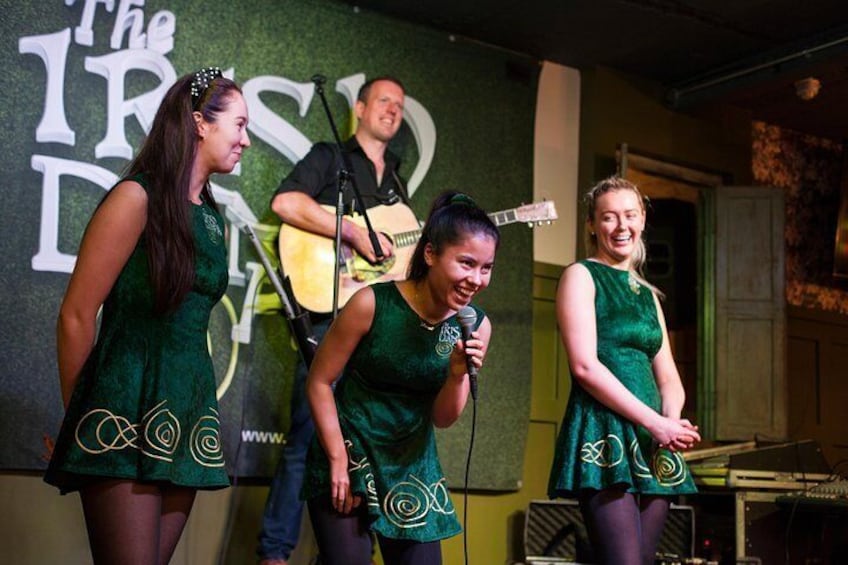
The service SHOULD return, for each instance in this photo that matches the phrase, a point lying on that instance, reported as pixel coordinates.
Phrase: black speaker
(553, 529)
(554, 533)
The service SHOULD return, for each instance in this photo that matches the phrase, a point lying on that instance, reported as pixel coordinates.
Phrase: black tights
(624, 529)
(344, 539)
(132, 523)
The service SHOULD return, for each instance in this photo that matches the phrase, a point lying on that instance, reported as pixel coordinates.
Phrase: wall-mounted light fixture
(758, 69)
(807, 88)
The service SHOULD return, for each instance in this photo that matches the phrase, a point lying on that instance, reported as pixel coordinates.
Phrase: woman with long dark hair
(141, 430)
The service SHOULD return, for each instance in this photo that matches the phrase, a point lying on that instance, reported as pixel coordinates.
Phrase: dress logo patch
(213, 230)
(448, 335)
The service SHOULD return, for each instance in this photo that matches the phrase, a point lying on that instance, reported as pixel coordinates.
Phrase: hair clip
(202, 79)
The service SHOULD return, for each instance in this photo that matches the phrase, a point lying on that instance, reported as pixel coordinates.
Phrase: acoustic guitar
(309, 259)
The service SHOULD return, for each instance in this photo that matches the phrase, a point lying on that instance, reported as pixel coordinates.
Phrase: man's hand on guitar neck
(357, 237)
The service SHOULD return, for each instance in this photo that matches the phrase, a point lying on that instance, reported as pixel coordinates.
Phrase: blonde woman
(619, 447)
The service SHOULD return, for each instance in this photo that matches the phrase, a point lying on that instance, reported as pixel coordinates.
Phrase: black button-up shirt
(317, 175)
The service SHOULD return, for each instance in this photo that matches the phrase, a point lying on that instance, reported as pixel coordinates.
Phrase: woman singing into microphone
(374, 466)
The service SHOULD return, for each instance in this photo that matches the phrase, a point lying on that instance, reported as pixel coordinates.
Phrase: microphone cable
(467, 318)
(467, 474)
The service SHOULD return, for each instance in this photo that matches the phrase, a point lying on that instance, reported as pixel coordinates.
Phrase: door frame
(696, 185)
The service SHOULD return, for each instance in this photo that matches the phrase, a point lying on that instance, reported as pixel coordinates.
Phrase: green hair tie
(460, 198)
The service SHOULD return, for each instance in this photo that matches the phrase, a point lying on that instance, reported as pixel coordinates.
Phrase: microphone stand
(299, 322)
(345, 175)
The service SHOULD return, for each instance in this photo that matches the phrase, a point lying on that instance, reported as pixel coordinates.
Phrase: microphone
(467, 317)
(318, 79)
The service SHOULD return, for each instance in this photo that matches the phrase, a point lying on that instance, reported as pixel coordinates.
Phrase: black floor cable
(467, 473)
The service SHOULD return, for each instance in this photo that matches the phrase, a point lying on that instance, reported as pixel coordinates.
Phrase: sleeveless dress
(384, 400)
(597, 448)
(144, 407)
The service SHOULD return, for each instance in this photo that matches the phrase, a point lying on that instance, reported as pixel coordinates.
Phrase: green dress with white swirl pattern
(384, 401)
(144, 407)
(597, 448)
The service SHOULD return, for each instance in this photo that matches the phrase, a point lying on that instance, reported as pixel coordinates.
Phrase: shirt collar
(352, 146)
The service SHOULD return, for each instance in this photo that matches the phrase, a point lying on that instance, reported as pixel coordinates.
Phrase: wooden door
(750, 326)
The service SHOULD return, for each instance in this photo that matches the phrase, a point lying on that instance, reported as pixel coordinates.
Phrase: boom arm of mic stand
(298, 318)
(319, 80)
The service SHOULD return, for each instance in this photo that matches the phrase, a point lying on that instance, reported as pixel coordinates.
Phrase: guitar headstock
(543, 212)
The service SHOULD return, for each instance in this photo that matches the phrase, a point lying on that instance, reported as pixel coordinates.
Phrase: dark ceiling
(745, 52)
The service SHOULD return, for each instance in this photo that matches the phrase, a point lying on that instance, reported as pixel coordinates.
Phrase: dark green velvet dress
(144, 407)
(384, 400)
(596, 447)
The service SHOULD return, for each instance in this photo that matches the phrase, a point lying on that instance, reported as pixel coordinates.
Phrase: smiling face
(222, 140)
(381, 115)
(618, 222)
(460, 270)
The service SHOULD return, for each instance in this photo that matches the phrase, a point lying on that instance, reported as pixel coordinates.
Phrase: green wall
(481, 102)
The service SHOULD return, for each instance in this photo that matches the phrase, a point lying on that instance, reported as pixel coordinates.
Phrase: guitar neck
(504, 217)
(411, 237)
(406, 238)
(310, 264)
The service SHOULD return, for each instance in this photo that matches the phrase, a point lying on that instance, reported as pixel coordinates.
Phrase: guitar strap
(401, 188)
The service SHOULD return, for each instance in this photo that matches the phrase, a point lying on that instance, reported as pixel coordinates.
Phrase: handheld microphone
(467, 317)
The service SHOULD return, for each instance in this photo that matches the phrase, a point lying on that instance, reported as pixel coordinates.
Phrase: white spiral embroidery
(642, 470)
(205, 441)
(100, 430)
(669, 467)
(161, 433)
(408, 503)
(364, 467)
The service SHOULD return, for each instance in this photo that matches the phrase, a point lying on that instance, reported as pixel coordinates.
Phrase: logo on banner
(140, 44)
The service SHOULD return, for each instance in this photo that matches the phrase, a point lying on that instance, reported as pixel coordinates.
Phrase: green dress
(144, 407)
(597, 448)
(384, 400)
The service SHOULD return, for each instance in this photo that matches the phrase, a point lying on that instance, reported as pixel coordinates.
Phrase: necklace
(418, 307)
(633, 283)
